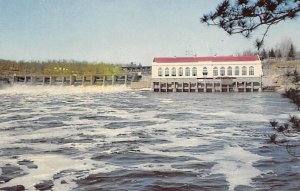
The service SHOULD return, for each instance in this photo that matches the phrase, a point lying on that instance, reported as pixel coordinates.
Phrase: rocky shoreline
(275, 74)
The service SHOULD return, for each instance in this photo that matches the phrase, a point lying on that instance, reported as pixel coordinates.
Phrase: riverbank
(274, 78)
(275, 73)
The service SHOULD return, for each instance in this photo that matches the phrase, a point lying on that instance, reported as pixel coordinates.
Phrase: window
(222, 71)
(173, 71)
(160, 72)
(237, 71)
(215, 71)
(204, 71)
(229, 71)
(194, 71)
(187, 71)
(180, 72)
(167, 71)
(251, 71)
(244, 71)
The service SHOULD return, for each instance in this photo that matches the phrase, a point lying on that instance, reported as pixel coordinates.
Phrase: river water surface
(88, 138)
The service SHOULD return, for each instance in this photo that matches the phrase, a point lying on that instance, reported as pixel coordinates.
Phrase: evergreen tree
(278, 54)
(287, 133)
(244, 16)
(291, 54)
(263, 54)
(272, 53)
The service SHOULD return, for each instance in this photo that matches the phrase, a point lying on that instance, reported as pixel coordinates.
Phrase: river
(89, 138)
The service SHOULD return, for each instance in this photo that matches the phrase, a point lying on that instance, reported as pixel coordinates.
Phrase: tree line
(285, 50)
(58, 67)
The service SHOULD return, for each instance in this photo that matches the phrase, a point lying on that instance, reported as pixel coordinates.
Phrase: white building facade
(194, 70)
(207, 67)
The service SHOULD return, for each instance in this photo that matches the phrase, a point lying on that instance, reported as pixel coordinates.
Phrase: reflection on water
(87, 138)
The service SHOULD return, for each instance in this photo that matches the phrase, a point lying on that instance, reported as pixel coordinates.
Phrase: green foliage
(58, 67)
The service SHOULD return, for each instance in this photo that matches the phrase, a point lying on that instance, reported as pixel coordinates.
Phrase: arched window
(215, 71)
(251, 71)
(204, 71)
(237, 71)
(160, 72)
(244, 71)
(229, 71)
(222, 71)
(173, 71)
(180, 72)
(194, 71)
(167, 71)
(187, 71)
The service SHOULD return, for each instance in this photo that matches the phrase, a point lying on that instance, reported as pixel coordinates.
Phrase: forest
(58, 67)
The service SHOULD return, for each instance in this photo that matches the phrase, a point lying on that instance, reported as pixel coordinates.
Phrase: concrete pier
(207, 85)
(104, 78)
(72, 80)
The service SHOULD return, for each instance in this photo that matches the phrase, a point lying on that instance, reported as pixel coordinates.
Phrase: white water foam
(236, 164)
(166, 101)
(242, 116)
(56, 90)
(49, 165)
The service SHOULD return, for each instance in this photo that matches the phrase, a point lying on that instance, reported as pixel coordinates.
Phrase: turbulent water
(77, 138)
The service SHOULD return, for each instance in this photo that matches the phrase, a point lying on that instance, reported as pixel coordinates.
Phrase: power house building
(207, 74)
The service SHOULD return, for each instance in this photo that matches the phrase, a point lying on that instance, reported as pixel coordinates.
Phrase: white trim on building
(207, 67)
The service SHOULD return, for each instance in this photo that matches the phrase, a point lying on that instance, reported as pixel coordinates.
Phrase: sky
(120, 31)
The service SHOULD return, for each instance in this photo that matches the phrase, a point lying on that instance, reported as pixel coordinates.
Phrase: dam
(68, 80)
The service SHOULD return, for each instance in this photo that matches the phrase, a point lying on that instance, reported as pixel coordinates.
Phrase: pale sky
(120, 31)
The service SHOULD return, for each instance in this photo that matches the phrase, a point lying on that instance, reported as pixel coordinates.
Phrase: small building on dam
(207, 74)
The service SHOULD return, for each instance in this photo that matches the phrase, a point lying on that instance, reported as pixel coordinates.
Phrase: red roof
(206, 59)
